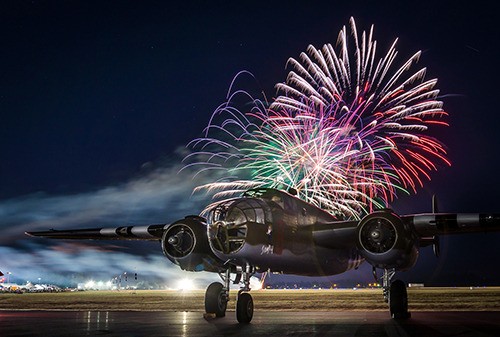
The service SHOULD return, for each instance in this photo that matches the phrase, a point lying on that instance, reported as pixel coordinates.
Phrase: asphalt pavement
(264, 323)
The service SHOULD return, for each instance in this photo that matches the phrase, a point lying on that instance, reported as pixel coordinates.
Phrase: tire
(244, 308)
(398, 300)
(215, 300)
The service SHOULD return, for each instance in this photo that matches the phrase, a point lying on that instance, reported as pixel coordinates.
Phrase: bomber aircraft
(273, 230)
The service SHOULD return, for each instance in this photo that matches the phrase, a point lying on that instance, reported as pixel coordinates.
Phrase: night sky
(99, 98)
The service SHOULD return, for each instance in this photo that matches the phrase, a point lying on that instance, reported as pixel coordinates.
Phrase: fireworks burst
(347, 130)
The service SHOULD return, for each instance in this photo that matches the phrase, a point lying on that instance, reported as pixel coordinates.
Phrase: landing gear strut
(395, 294)
(217, 295)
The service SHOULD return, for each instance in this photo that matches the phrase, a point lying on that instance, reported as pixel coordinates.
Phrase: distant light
(185, 285)
(255, 283)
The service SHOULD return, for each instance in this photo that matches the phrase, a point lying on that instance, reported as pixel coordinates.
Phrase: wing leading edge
(150, 232)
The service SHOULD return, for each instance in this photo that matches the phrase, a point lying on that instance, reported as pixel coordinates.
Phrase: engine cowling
(385, 241)
(185, 243)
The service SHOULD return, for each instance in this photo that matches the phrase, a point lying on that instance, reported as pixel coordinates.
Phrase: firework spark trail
(347, 130)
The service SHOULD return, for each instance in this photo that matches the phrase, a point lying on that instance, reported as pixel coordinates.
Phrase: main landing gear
(395, 294)
(217, 295)
(216, 299)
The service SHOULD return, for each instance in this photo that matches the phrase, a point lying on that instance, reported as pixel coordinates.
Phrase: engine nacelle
(385, 241)
(185, 243)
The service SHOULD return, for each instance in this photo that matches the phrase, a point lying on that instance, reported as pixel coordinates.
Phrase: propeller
(432, 240)
(435, 244)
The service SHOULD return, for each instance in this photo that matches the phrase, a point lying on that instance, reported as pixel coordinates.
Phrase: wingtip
(40, 234)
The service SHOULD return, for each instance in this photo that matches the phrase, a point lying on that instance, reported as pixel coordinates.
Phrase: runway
(264, 323)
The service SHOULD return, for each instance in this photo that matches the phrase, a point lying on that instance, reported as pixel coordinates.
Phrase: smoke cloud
(160, 196)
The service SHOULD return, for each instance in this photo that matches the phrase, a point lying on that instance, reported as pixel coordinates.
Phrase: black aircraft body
(272, 230)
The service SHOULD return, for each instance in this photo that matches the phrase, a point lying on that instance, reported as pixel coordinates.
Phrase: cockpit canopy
(306, 213)
(228, 222)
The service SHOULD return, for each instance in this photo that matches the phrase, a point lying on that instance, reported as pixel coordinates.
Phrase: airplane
(272, 230)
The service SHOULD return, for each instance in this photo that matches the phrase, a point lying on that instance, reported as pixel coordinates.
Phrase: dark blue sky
(96, 95)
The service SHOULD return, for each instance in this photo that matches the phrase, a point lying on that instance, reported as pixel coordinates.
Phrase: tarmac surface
(264, 323)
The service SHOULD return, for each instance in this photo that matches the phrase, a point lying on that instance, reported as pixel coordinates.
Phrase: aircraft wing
(345, 233)
(341, 234)
(338, 234)
(453, 223)
(150, 232)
